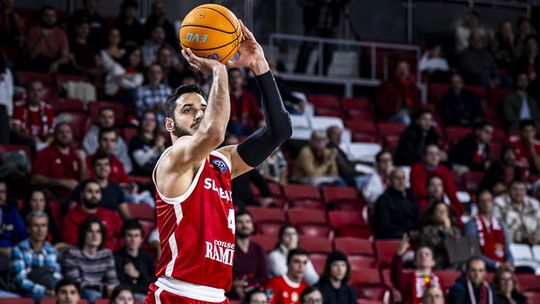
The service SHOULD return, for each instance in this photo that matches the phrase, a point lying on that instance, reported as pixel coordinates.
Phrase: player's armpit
(239, 166)
(189, 151)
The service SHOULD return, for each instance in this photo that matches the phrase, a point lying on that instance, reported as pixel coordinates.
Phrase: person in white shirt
(432, 61)
(378, 181)
(6, 100)
(465, 27)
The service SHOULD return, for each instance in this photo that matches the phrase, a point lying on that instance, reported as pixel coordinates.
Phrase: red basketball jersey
(197, 231)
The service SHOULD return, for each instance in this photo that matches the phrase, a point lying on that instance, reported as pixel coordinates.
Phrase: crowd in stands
(82, 97)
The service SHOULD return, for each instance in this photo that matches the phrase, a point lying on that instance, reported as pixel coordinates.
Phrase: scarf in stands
(421, 283)
(491, 240)
(485, 296)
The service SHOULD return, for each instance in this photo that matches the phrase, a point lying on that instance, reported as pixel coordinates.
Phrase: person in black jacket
(135, 268)
(472, 286)
(333, 282)
(413, 140)
(459, 106)
(396, 212)
(502, 173)
(472, 151)
(506, 287)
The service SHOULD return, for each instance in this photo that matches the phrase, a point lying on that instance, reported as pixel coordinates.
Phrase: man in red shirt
(89, 206)
(288, 287)
(59, 167)
(527, 147)
(108, 139)
(33, 121)
(430, 165)
(245, 113)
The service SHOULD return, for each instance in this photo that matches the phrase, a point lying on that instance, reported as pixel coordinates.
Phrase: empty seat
(386, 129)
(363, 232)
(361, 261)
(62, 78)
(314, 230)
(66, 105)
(447, 277)
(296, 192)
(141, 212)
(270, 229)
(340, 219)
(266, 215)
(268, 243)
(358, 103)
(353, 246)
(365, 276)
(436, 92)
(368, 127)
(521, 251)
(337, 194)
(315, 244)
(528, 282)
(17, 301)
(454, 134)
(326, 101)
(385, 250)
(331, 112)
(275, 189)
(299, 216)
(318, 260)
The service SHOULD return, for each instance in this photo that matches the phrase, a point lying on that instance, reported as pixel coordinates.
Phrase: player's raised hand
(251, 53)
(205, 65)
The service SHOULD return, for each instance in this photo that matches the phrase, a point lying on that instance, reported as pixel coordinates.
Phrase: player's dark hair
(66, 282)
(526, 123)
(181, 90)
(86, 226)
(306, 292)
(99, 156)
(132, 224)
(381, 153)
(104, 131)
(296, 251)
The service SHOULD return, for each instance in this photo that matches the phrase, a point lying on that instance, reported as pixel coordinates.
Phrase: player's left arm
(259, 145)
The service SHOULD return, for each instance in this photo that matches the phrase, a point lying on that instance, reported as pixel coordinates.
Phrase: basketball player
(195, 214)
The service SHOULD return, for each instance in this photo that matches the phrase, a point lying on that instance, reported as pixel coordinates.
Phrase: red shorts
(166, 297)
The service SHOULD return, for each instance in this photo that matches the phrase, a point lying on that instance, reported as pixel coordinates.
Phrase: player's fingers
(246, 32)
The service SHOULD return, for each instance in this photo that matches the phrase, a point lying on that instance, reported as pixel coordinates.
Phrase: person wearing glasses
(506, 287)
(472, 287)
(311, 295)
(433, 295)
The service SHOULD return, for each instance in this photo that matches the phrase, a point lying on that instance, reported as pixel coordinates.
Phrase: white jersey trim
(190, 290)
(223, 157)
(179, 199)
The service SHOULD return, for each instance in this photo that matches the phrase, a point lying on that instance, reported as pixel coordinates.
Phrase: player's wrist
(260, 67)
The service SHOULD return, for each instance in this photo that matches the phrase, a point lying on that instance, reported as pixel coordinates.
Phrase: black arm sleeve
(259, 145)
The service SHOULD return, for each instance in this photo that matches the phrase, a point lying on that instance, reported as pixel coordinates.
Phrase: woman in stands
(113, 53)
(256, 296)
(126, 77)
(506, 287)
(146, 147)
(38, 201)
(333, 282)
(277, 259)
(122, 295)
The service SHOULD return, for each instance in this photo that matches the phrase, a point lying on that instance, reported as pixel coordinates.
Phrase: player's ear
(169, 124)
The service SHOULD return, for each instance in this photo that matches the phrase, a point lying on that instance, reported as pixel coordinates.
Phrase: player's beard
(179, 131)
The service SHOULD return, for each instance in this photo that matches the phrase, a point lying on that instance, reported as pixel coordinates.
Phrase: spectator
(95, 21)
(316, 164)
(433, 295)
(35, 262)
(437, 229)
(108, 139)
(287, 288)
(524, 29)
(48, 44)
(249, 265)
(435, 193)
(333, 283)
(311, 295)
(274, 168)
(472, 287)
(490, 233)
(123, 80)
(67, 292)
(529, 62)
(293, 104)
(127, 22)
(520, 105)
(153, 45)
(134, 267)
(6, 86)
(106, 120)
(520, 213)
(476, 64)
(527, 147)
(86, 57)
(459, 106)
(122, 295)
(502, 173)
(112, 195)
(172, 67)
(413, 285)
(277, 258)
(59, 167)
(433, 63)
(345, 166)
(38, 202)
(147, 145)
(90, 264)
(396, 212)
(245, 113)
(378, 181)
(112, 54)
(33, 121)
(158, 17)
(256, 296)
(429, 166)
(12, 26)
(89, 207)
(397, 98)
(469, 25)
(152, 96)
(504, 47)
(472, 152)
(415, 138)
(506, 287)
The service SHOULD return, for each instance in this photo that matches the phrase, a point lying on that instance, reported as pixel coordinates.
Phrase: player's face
(297, 266)
(68, 295)
(93, 236)
(125, 297)
(188, 114)
(338, 270)
(133, 239)
(244, 226)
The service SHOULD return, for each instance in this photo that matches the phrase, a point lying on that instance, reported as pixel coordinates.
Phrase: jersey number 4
(231, 221)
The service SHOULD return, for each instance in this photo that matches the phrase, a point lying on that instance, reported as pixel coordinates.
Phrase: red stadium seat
(359, 262)
(318, 260)
(268, 243)
(270, 229)
(365, 138)
(53, 301)
(314, 230)
(141, 212)
(315, 244)
(364, 232)
(447, 278)
(365, 276)
(472, 179)
(141, 180)
(353, 246)
(436, 92)
(340, 219)
(496, 96)
(95, 106)
(25, 77)
(533, 297)
(360, 115)
(266, 215)
(78, 123)
(385, 250)
(454, 134)
(336, 194)
(66, 105)
(299, 216)
(300, 192)
(478, 90)
(332, 112)
(495, 150)
(17, 301)
(386, 129)
(326, 101)
(528, 282)
(361, 126)
(62, 78)
(358, 103)
(377, 293)
(128, 133)
(276, 190)
(307, 204)
(499, 135)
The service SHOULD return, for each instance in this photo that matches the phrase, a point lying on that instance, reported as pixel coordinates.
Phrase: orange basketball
(211, 31)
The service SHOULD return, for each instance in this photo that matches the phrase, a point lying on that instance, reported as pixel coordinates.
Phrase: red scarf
(485, 296)
(491, 239)
(421, 283)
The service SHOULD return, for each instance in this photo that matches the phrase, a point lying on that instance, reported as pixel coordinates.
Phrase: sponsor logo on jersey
(221, 165)
(220, 251)
(210, 184)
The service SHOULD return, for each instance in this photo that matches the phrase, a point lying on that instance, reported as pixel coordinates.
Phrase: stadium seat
(521, 251)
(266, 215)
(360, 115)
(299, 216)
(364, 232)
(66, 105)
(499, 135)
(361, 262)
(321, 123)
(454, 134)
(141, 180)
(307, 204)
(276, 190)
(330, 112)
(471, 180)
(373, 293)
(333, 194)
(353, 246)
(300, 192)
(385, 250)
(436, 92)
(17, 301)
(364, 152)
(318, 260)
(361, 126)
(528, 282)
(315, 244)
(141, 212)
(24, 78)
(14, 148)
(533, 297)
(365, 276)
(386, 128)
(536, 252)
(77, 121)
(315, 230)
(496, 96)
(268, 243)
(95, 106)
(358, 137)
(478, 90)
(62, 78)
(325, 101)
(128, 133)
(447, 277)
(340, 219)
(358, 103)
(270, 229)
